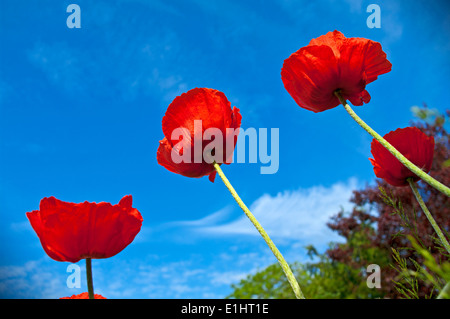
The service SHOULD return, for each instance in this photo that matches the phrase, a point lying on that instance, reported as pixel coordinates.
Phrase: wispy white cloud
(291, 217)
(299, 215)
(34, 279)
(206, 221)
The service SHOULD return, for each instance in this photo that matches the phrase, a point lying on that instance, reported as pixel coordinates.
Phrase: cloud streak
(291, 215)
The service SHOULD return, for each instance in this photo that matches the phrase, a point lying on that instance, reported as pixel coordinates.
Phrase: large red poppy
(333, 62)
(71, 232)
(413, 144)
(195, 112)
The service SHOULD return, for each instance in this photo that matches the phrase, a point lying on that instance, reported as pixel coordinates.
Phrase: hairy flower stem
(428, 214)
(413, 168)
(284, 265)
(90, 283)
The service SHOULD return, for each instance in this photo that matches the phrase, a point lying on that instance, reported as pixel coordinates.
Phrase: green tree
(321, 278)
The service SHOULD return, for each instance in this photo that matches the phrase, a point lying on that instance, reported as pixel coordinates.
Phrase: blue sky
(80, 119)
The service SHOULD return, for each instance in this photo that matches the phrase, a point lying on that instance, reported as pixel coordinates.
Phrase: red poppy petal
(382, 173)
(359, 98)
(375, 61)
(362, 58)
(61, 243)
(35, 220)
(311, 76)
(390, 168)
(351, 69)
(113, 228)
(163, 156)
(199, 104)
(189, 116)
(413, 144)
(232, 135)
(334, 40)
(192, 169)
(346, 64)
(83, 295)
(428, 153)
(212, 176)
(126, 201)
(70, 232)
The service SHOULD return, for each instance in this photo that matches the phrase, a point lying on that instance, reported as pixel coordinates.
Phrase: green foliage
(411, 274)
(330, 279)
(269, 283)
(321, 279)
(446, 163)
(434, 273)
(424, 113)
(406, 222)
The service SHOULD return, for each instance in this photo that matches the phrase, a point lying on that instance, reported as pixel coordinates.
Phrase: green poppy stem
(413, 168)
(428, 214)
(284, 265)
(90, 283)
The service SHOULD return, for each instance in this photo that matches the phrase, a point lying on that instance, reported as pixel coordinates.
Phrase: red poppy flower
(193, 122)
(413, 144)
(83, 295)
(333, 62)
(71, 232)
